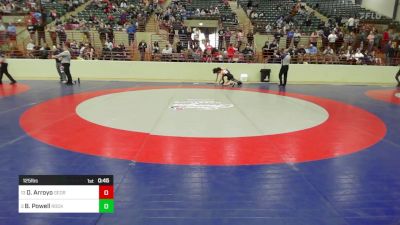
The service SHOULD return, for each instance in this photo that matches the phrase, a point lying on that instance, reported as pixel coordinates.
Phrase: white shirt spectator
(30, 46)
(332, 38)
(109, 45)
(167, 50)
(350, 22)
(268, 28)
(358, 56)
(328, 51)
(2, 27)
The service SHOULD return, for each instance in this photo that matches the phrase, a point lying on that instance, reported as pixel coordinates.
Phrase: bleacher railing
(126, 55)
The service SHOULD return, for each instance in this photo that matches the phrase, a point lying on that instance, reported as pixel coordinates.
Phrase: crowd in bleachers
(185, 44)
(16, 6)
(118, 14)
(102, 16)
(271, 15)
(343, 38)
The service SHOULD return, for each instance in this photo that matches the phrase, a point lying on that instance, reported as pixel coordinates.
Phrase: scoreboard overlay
(66, 194)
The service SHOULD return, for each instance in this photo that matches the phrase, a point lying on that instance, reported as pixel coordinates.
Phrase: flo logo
(200, 104)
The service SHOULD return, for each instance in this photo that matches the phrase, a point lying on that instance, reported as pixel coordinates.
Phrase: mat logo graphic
(200, 104)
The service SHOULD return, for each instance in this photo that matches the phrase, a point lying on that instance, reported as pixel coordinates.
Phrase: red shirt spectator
(231, 51)
(386, 36)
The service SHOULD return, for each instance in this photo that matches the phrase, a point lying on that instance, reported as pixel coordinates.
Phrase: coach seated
(166, 53)
(248, 53)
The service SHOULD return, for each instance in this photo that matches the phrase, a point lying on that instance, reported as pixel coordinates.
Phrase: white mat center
(202, 112)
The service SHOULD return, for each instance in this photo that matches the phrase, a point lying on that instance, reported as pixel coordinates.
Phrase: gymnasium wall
(384, 7)
(200, 72)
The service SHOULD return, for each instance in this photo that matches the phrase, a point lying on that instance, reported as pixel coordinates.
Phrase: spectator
(90, 53)
(231, 51)
(385, 38)
(102, 33)
(179, 47)
(268, 28)
(359, 56)
(171, 37)
(85, 31)
(289, 38)
(248, 53)
(31, 29)
(44, 52)
(348, 39)
(53, 14)
(312, 50)
(51, 29)
(265, 49)
(328, 51)
(349, 53)
(301, 51)
(40, 28)
(142, 49)
(166, 53)
(374, 59)
(156, 48)
(131, 30)
(389, 52)
(221, 33)
(228, 35)
(197, 54)
(30, 47)
(351, 24)
(332, 40)
(167, 50)
(239, 39)
(12, 32)
(371, 41)
(109, 45)
(296, 38)
(278, 35)
(62, 36)
(314, 38)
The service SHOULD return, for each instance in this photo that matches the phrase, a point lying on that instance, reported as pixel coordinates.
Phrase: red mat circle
(384, 95)
(9, 90)
(348, 129)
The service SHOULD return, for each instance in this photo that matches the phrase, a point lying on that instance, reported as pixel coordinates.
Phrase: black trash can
(265, 75)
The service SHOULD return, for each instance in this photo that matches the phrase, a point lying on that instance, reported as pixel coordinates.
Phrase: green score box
(106, 206)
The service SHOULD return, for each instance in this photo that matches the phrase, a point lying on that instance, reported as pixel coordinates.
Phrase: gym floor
(199, 154)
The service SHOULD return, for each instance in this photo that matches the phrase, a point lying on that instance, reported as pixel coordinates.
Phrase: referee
(283, 73)
(65, 58)
(4, 69)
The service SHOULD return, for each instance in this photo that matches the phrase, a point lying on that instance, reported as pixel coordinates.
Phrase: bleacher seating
(13, 7)
(98, 12)
(61, 9)
(346, 8)
(269, 11)
(225, 15)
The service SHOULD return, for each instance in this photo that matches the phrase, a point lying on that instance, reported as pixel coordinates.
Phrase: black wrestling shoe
(13, 82)
(398, 85)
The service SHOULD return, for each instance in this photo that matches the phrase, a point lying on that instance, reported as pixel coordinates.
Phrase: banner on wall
(369, 16)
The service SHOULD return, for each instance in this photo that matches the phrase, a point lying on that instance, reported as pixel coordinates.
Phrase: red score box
(106, 192)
